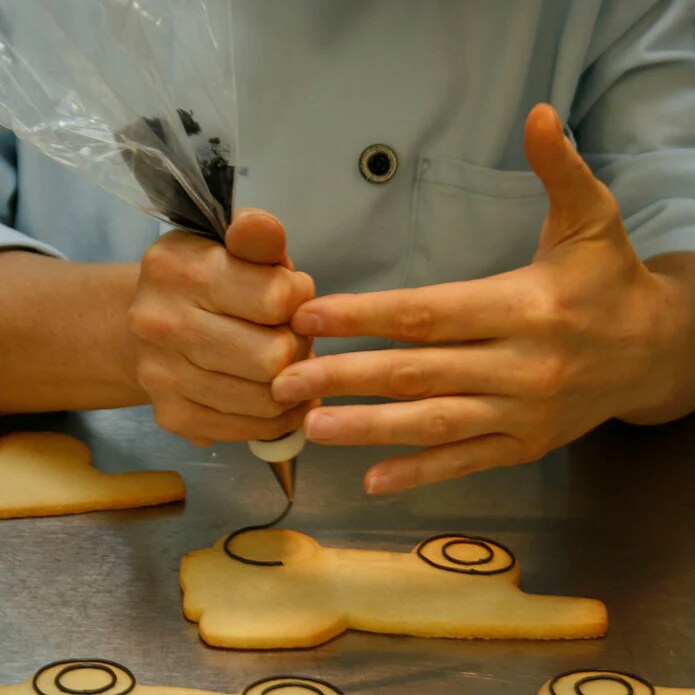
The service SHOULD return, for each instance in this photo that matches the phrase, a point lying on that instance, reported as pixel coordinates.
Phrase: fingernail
(319, 426)
(378, 483)
(287, 389)
(306, 323)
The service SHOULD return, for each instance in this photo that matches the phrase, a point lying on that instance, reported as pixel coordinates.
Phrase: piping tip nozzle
(281, 455)
(284, 471)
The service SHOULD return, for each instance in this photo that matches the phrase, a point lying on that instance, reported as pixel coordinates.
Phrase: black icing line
(292, 684)
(629, 690)
(309, 684)
(258, 527)
(466, 567)
(84, 664)
(85, 667)
(468, 563)
(597, 674)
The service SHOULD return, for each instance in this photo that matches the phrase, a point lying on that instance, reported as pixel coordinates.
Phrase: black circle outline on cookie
(468, 541)
(309, 684)
(599, 674)
(85, 691)
(79, 664)
(466, 566)
(258, 527)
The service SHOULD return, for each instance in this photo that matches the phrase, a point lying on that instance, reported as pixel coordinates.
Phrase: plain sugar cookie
(300, 594)
(47, 474)
(102, 677)
(601, 682)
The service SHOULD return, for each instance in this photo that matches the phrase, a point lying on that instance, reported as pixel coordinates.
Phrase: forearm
(677, 271)
(64, 340)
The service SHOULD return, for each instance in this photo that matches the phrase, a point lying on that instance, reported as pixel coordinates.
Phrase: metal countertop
(611, 517)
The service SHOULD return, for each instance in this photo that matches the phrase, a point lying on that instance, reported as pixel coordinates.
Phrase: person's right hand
(210, 326)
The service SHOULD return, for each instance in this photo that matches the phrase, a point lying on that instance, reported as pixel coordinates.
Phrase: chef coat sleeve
(633, 118)
(10, 238)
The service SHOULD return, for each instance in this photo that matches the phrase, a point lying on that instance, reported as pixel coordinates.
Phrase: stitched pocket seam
(477, 191)
(478, 180)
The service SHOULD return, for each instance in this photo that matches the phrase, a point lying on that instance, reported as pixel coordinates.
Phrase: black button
(378, 163)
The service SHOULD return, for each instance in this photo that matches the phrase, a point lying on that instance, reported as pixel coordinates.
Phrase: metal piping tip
(284, 472)
(281, 455)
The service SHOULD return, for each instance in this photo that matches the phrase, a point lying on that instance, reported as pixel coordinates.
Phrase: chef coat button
(378, 163)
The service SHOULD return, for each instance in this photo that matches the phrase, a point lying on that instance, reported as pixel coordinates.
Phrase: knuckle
(408, 380)
(543, 309)
(151, 324)
(307, 287)
(134, 318)
(173, 260)
(414, 320)
(279, 353)
(277, 304)
(549, 377)
(160, 262)
(154, 378)
(438, 428)
(174, 420)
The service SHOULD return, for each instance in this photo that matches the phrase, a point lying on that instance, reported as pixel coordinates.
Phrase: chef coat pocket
(470, 221)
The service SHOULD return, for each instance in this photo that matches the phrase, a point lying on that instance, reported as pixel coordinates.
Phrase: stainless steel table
(612, 517)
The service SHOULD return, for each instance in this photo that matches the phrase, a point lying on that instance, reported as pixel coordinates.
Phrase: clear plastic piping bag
(135, 95)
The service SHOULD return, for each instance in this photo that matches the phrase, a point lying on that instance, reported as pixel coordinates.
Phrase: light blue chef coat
(447, 84)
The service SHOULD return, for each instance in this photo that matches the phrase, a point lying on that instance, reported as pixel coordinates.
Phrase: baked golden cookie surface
(48, 474)
(292, 592)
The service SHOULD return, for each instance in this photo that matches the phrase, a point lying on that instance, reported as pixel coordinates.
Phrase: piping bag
(280, 454)
(139, 98)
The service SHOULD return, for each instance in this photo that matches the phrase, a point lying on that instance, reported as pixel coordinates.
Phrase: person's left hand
(514, 365)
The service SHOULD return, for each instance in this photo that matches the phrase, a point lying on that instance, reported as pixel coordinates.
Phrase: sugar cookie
(101, 677)
(292, 592)
(46, 474)
(601, 682)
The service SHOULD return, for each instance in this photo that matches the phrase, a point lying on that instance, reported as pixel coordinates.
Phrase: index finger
(473, 310)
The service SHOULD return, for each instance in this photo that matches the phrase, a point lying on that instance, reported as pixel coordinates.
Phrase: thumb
(258, 237)
(577, 198)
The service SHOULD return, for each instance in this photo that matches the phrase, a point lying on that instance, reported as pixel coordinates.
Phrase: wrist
(64, 337)
(667, 389)
(124, 280)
